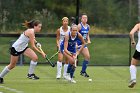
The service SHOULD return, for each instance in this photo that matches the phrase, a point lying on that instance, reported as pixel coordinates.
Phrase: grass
(103, 51)
(105, 80)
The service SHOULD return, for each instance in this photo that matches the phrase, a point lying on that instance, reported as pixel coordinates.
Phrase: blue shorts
(79, 46)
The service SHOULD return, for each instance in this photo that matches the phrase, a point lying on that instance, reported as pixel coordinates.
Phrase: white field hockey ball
(38, 45)
(90, 80)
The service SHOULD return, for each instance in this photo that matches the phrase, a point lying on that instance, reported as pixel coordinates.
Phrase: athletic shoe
(32, 76)
(58, 76)
(72, 81)
(1, 80)
(132, 83)
(67, 77)
(84, 74)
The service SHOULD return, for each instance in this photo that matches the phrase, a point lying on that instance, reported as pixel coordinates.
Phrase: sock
(69, 68)
(72, 71)
(4, 72)
(59, 68)
(32, 67)
(84, 66)
(65, 69)
(133, 72)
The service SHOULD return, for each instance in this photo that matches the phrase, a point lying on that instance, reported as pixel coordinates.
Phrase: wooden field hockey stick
(48, 60)
(53, 55)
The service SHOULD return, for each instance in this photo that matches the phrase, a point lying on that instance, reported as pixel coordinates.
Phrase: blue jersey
(84, 32)
(71, 44)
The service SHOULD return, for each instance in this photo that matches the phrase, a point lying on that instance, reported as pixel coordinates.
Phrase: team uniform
(20, 45)
(137, 51)
(72, 49)
(63, 33)
(71, 44)
(84, 32)
(59, 64)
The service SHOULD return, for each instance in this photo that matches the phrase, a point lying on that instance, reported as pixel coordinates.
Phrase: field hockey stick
(53, 65)
(75, 61)
(53, 55)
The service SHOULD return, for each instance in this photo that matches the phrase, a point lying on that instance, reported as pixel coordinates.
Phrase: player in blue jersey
(68, 48)
(84, 31)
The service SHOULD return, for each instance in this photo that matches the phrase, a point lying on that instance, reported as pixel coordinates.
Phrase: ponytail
(31, 24)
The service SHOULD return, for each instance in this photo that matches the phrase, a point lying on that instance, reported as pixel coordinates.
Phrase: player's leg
(59, 65)
(32, 55)
(133, 72)
(65, 74)
(12, 64)
(71, 68)
(85, 53)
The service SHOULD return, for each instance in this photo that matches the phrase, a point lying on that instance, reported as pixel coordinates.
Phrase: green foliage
(108, 14)
(111, 14)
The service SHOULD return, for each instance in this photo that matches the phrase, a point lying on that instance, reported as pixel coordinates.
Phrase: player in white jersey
(136, 56)
(61, 32)
(21, 47)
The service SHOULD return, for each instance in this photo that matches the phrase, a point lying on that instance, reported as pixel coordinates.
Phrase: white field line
(11, 89)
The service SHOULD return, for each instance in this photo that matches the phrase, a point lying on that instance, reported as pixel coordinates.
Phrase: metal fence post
(129, 51)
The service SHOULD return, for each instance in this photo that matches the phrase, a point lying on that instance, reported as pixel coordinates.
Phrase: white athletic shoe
(132, 83)
(58, 76)
(67, 77)
(72, 81)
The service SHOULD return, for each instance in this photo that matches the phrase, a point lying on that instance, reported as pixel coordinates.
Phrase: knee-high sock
(59, 68)
(65, 69)
(133, 72)
(71, 70)
(4, 72)
(84, 65)
(32, 67)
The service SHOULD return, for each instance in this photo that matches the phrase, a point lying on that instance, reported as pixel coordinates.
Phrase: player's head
(65, 21)
(35, 24)
(74, 30)
(84, 18)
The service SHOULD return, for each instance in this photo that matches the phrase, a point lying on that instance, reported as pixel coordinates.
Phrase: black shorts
(136, 55)
(15, 53)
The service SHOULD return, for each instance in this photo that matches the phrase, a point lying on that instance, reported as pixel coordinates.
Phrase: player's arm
(88, 38)
(79, 27)
(58, 37)
(31, 36)
(132, 32)
(83, 43)
(66, 45)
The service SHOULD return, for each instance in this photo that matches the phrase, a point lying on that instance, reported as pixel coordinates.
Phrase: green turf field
(103, 51)
(105, 80)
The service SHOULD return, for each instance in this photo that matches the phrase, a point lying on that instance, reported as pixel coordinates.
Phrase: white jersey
(138, 44)
(63, 33)
(21, 43)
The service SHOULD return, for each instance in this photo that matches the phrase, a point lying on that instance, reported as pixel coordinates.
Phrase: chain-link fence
(104, 50)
